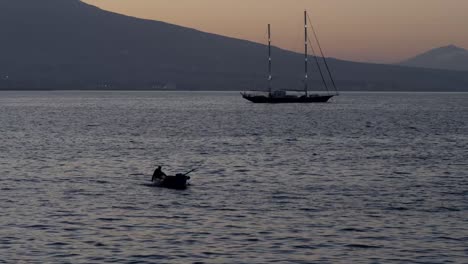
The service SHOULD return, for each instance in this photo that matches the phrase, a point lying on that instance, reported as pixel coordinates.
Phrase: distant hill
(449, 57)
(67, 44)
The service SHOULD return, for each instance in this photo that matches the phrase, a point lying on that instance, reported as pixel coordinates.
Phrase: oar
(185, 174)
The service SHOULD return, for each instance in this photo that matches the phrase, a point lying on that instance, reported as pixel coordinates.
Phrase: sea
(366, 178)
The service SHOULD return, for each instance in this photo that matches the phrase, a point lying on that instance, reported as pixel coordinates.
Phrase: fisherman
(158, 174)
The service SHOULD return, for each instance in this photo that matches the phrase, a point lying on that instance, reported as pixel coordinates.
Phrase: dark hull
(287, 99)
(173, 182)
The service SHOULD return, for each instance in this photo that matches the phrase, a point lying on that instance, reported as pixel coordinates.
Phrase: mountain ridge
(450, 57)
(68, 44)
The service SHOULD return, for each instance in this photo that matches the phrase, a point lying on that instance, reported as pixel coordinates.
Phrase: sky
(382, 31)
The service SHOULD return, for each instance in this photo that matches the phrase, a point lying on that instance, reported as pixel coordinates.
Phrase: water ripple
(371, 178)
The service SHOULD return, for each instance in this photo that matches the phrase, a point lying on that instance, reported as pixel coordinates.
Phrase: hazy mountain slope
(449, 57)
(66, 44)
(65, 39)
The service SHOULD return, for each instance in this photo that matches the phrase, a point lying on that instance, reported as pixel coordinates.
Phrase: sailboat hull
(260, 99)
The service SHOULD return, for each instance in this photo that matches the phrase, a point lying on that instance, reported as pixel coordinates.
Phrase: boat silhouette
(282, 96)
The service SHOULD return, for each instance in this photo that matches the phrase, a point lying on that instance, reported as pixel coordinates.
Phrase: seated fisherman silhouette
(158, 174)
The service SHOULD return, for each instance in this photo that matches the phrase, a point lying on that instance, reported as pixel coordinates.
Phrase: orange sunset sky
(384, 31)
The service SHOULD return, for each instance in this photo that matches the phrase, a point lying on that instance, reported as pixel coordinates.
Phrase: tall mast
(306, 76)
(269, 60)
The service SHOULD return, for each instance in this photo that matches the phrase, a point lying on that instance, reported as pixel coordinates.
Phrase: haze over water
(368, 178)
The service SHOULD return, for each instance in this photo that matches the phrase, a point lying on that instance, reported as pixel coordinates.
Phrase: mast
(306, 61)
(269, 60)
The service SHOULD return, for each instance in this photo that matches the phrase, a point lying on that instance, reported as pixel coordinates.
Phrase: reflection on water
(370, 178)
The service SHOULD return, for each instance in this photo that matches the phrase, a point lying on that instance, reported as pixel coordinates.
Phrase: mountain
(67, 44)
(449, 57)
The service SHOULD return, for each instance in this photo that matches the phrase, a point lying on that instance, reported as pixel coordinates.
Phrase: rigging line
(318, 65)
(323, 56)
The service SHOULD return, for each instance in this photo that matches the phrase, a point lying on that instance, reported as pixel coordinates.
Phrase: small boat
(282, 96)
(179, 181)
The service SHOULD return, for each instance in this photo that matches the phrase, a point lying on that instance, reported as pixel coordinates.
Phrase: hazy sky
(360, 30)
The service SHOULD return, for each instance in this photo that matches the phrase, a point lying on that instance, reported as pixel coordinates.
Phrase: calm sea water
(368, 178)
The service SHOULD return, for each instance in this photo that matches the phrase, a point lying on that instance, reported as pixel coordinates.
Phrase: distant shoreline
(206, 91)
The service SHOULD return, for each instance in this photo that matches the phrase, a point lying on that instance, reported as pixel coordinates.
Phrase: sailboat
(282, 96)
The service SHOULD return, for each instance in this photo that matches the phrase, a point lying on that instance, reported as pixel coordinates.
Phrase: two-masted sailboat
(282, 96)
